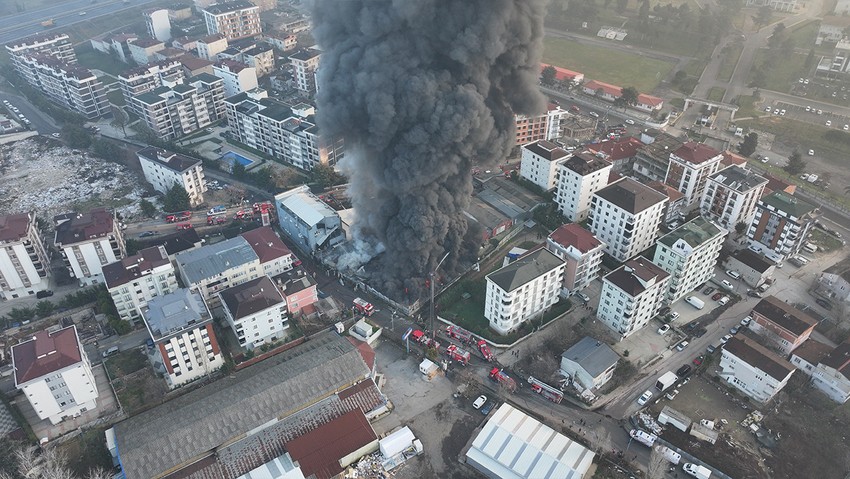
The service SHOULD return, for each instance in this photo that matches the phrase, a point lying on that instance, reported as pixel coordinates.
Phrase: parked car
(664, 329)
(824, 303)
(734, 330)
(644, 398)
(110, 351)
(629, 121)
(708, 291)
(147, 233)
(681, 346)
(746, 321)
(489, 407)
(698, 360)
(733, 274)
(672, 395)
(711, 348)
(683, 371)
(44, 294)
(725, 339)
(717, 296)
(726, 284)
(479, 402)
(585, 298)
(723, 301)
(674, 315)
(753, 293)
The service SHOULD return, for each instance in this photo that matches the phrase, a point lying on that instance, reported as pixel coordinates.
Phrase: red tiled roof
(784, 315)
(618, 150)
(318, 452)
(45, 353)
(365, 350)
(696, 153)
(14, 227)
(266, 244)
(561, 74)
(672, 193)
(777, 184)
(572, 234)
(608, 88)
(650, 100)
(730, 158)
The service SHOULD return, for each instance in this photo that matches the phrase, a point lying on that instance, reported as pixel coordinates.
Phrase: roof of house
(252, 297)
(694, 233)
(191, 62)
(175, 312)
(777, 184)
(134, 267)
(232, 66)
(838, 358)
(147, 42)
(672, 193)
(293, 281)
(607, 88)
(169, 159)
(215, 37)
(784, 315)
(631, 196)
(318, 452)
(212, 260)
(176, 242)
(305, 54)
(14, 227)
(631, 276)
(585, 163)
(738, 179)
(621, 149)
(753, 260)
(650, 100)
(812, 351)
(561, 74)
(184, 429)
(366, 352)
(572, 234)
(592, 355)
(45, 353)
(305, 205)
(790, 204)
(731, 158)
(759, 357)
(525, 269)
(696, 153)
(266, 244)
(546, 150)
(38, 38)
(231, 6)
(73, 228)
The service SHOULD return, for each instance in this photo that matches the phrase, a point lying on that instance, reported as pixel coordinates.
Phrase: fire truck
(215, 220)
(457, 354)
(184, 226)
(485, 351)
(264, 212)
(363, 307)
(545, 390)
(497, 375)
(423, 339)
(178, 217)
(462, 335)
(242, 215)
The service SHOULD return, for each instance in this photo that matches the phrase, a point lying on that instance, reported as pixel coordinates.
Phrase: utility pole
(433, 273)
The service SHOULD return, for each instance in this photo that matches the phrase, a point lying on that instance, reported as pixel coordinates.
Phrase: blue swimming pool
(232, 157)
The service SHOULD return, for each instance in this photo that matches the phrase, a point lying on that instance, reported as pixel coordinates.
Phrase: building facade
(216, 267)
(88, 242)
(731, 196)
(142, 50)
(158, 23)
(307, 221)
(589, 363)
(581, 253)
(578, 178)
(256, 311)
(146, 78)
(689, 254)
(522, 290)
(832, 374)
(164, 169)
(781, 324)
(211, 45)
(24, 262)
(275, 257)
(754, 268)
(753, 370)
(305, 64)
(539, 163)
(632, 295)
(173, 112)
(56, 45)
(780, 225)
(235, 19)
(137, 279)
(73, 87)
(55, 375)
(261, 58)
(625, 215)
(238, 77)
(298, 289)
(690, 167)
(530, 128)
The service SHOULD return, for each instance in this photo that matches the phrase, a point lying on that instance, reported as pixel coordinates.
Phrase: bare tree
(657, 464)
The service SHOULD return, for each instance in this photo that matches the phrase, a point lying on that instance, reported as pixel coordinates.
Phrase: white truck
(700, 472)
(695, 302)
(666, 380)
(643, 437)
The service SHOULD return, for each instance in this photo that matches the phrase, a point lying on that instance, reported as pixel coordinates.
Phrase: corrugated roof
(45, 353)
(592, 355)
(318, 452)
(759, 357)
(305, 206)
(212, 260)
(525, 269)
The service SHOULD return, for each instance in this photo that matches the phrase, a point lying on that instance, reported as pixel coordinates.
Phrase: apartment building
(625, 216)
(689, 169)
(56, 45)
(523, 290)
(578, 178)
(118, 44)
(282, 41)
(781, 324)
(54, 374)
(581, 253)
(185, 345)
(163, 169)
(211, 45)
(175, 111)
(194, 66)
(143, 50)
(143, 79)
(832, 373)
(674, 209)
(305, 63)
(652, 160)
(24, 262)
(539, 163)
(778, 5)
(307, 221)
(235, 19)
(135, 280)
(589, 364)
(275, 257)
(260, 57)
(286, 132)
(689, 254)
(216, 267)
(632, 295)
(753, 370)
(780, 225)
(731, 196)
(158, 23)
(73, 87)
(298, 288)
(88, 242)
(256, 311)
(530, 128)
(238, 77)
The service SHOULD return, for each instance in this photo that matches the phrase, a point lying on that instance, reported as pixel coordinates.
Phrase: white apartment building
(546, 126)
(175, 111)
(88, 242)
(523, 290)
(305, 62)
(625, 215)
(54, 373)
(632, 295)
(282, 41)
(146, 78)
(238, 77)
(581, 253)
(689, 169)
(56, 45)
(832, 374)
(286, 132)
(261, 58)
(185, 345)
(689, 254)
(211, 45)
(539, 163)
(75, 88)
(236, 19)
(256, 311)
(158, 23)
(137, 279)
(780, 225)
(24, 263)
(731, 196)
(142, 50)
(752, 369)
(163, 169)
(578, 178)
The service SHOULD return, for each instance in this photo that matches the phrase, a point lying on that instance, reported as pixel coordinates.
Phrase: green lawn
(101, 61)
(716, 94)
(803, 136)
(804, 34)
(746, 107)
(116, 97)
(730, 60)
(125, 362)
(606, 65)
(784, 73)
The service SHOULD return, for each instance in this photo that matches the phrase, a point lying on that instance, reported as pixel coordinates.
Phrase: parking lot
(815, 115)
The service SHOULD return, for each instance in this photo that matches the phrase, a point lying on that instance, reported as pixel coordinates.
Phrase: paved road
(41, 122)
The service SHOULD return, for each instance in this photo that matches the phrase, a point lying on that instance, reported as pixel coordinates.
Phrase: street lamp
(433, 273)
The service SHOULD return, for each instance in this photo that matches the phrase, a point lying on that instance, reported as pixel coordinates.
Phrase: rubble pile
(50, 180)
(369, 466)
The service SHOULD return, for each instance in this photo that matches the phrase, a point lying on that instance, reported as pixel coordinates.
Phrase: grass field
(803, 136)
(805, 33)
(716, 94)
(89, 58)
(730, 60)
(784, 73)
(607, 65)
(746, 107)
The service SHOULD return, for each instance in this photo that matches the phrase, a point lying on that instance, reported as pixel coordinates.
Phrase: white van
(809, 248)
(110, 351)
(695, 302)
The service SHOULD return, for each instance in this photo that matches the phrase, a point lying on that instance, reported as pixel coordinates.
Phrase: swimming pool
(231, 157)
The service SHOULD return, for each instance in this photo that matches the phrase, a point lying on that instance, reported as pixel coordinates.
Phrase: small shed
(674, 418)
(397, 442)
(702, 432)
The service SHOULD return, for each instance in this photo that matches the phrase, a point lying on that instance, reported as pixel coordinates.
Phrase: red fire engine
(545, 390)
(485, 351)
(363, 307)
(421, 338)
(499, 376)
(462, 335)
(457, 354)
(178, 217)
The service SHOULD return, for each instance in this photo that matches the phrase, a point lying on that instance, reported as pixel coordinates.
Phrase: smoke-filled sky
(421, 90)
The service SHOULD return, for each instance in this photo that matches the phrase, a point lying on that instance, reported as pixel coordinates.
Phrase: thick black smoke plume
(421, 90)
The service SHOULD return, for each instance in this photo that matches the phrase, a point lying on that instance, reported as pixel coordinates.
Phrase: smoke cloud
(421, 90)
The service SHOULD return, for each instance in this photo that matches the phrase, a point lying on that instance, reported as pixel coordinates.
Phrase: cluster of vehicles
(16, 112)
